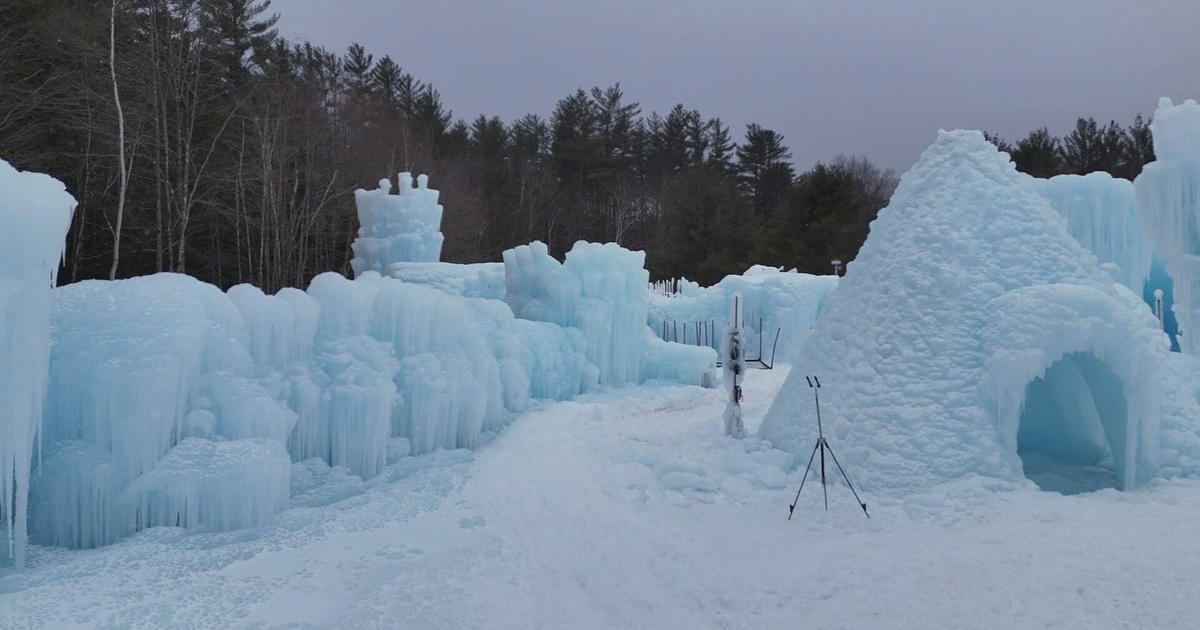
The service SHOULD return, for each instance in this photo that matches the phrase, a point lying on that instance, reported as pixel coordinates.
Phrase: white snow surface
(35, 213)
(968, 288)
(481, 280)
(630, 509)
(1168, 194)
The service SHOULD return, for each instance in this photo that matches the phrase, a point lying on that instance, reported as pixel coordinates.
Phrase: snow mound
(35, 213)
(957, 338)
(405, 227)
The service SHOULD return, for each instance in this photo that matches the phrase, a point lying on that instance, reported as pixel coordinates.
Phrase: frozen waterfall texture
(35, 213)
(1168, 194)
(973, 336)
(404, 227)
(600, 290)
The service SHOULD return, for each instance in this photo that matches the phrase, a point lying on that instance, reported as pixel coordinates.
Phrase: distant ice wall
(405, 227)
(1102, 214)
(600, 290)
(786, 301)
(35, 214)
(1168, 194)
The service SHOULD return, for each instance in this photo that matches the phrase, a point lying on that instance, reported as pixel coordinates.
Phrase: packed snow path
(631, 510)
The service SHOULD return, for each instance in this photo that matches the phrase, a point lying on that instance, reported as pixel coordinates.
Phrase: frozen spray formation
(1168, 195)
(1102, 214)
(173, 403)
(973, 336)
(35, 213)
(601, 291)
(787, 301)
(405, 227)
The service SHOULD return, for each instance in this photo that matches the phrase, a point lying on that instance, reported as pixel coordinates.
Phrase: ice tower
(1168, 194)
(35, 213)
(405, 227)
(973, 336)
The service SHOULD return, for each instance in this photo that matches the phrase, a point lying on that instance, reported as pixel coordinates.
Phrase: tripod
(823, 446)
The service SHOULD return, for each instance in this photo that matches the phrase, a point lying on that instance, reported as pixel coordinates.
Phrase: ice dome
(974, 336)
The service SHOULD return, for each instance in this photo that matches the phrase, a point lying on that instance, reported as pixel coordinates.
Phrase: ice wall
(787, 301)
(405, 227)
(173, 403)
(968, 289)
(1101, 213)
(35, 213)
(600, 290)
(1168, 194)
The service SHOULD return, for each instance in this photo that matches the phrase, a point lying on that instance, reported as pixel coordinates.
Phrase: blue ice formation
(171, 402)
(1101, 213)
(1168, 196)
(405, 227)
(773, 300)
(601, 290)
(973, 336)
(35, 213)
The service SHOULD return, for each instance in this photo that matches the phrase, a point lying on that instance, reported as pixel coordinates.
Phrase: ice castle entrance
(1072, 432)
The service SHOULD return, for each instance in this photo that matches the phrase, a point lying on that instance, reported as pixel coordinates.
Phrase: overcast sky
(834, 76)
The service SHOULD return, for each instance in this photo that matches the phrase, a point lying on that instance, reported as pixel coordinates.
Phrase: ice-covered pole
(405, 227)
(733, 362)
(35, 213)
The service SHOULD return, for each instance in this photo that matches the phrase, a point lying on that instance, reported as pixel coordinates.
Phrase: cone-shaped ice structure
(35, 213)
(1168, 193)
(974, 336)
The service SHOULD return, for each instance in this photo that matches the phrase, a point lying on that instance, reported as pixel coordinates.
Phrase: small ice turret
(405, 227)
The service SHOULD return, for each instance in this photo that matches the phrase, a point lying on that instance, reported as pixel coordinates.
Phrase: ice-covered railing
(405, 227)
(35, 213)
(1168, 194)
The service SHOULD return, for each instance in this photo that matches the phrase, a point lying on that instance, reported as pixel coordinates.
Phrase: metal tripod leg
(792, 507)
(852, 490)
(824, 488)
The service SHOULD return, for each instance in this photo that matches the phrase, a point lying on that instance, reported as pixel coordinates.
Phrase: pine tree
(764, 169)
(720, 147)
(1038, 154)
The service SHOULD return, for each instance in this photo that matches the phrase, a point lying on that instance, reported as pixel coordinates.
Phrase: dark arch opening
(1071, 436)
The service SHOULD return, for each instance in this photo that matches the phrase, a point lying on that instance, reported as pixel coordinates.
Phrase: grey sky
(870, 78)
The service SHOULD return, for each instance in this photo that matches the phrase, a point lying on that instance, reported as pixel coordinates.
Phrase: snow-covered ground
(629, 509)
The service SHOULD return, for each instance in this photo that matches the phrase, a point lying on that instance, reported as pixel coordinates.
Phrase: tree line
(197, 140)
(1089, 147)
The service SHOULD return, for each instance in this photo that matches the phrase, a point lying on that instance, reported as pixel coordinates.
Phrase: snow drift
(973, 336)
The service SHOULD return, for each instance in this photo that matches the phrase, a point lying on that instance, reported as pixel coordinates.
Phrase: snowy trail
(629, 510)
